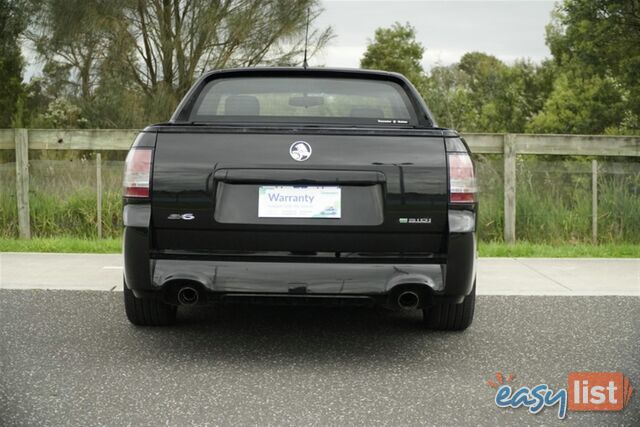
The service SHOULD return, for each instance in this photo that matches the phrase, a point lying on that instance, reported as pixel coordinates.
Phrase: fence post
(594, 201)
(99, 193)
(21, 140)
(509, 188)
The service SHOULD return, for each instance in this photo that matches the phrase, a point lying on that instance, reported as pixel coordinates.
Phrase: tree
(396, 49)
(482, 94)
(599, 40)
(12, 24)
(580, 105)
(159, 47)
(447, 95)
(178, 40)
(73, 35)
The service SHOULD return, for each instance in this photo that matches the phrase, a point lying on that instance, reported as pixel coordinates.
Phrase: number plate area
(278, 201)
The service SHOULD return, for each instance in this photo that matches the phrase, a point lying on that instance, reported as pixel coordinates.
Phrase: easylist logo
(586, 391)
(598, 391)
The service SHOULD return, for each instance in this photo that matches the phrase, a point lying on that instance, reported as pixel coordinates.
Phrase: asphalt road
(70, 358)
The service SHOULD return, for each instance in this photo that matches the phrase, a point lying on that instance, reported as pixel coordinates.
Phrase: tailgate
(240, 191)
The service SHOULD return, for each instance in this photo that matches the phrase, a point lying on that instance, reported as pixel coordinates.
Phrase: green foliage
(111, 245)
(120, 63)
(62, 195)
(71, 216)
(12, 24)
(478, 94)
(601, 37)
(597, 46)
(575, 250)
(591, 86)
(396, 49)
(580, 105)
(482, 94)
(61, 113)
(554, 200)
(127, 63)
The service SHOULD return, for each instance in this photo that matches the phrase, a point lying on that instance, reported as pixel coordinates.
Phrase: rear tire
(451, 317)
(147, 311)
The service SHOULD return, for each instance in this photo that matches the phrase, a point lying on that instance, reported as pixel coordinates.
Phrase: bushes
(62, 197)
(76, 215)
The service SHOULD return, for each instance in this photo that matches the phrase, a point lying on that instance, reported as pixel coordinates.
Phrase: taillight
(462, 179)
(137, 172)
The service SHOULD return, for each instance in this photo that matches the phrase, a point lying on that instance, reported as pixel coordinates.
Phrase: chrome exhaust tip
(188, 296)
(408, 300)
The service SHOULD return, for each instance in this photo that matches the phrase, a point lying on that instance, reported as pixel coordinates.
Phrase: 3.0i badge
(424, 220)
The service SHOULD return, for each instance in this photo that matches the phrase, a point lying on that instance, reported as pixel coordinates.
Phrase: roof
(306, 71)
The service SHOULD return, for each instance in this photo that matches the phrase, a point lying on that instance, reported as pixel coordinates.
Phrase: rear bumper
(296, 277)
(449, 279)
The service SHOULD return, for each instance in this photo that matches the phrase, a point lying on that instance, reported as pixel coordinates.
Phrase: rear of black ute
(181, 246)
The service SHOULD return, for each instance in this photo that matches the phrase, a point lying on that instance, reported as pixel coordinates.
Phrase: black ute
(300, 186)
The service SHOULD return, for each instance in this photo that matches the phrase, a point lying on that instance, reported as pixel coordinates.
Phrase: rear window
(303, 99)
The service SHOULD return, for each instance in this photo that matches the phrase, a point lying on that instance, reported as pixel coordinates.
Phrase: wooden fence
(508, 145)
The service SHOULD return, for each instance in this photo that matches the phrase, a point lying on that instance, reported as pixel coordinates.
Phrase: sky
(508, 29)
(447, 29)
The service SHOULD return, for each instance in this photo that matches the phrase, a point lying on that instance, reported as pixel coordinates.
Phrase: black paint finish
(204, 198)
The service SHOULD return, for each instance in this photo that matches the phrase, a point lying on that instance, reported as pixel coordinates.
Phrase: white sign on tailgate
(298, 202)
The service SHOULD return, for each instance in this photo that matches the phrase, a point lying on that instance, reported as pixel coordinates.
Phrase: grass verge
(489, 249)
(565, 250)
(62, 244)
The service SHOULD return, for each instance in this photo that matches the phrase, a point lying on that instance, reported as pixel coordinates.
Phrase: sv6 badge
(185, 216)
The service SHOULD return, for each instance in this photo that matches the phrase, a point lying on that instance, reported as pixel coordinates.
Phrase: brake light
(462, 179)
(137, 172)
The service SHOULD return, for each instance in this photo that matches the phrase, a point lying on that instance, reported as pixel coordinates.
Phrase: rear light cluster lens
(462, 179)
(137, 172)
